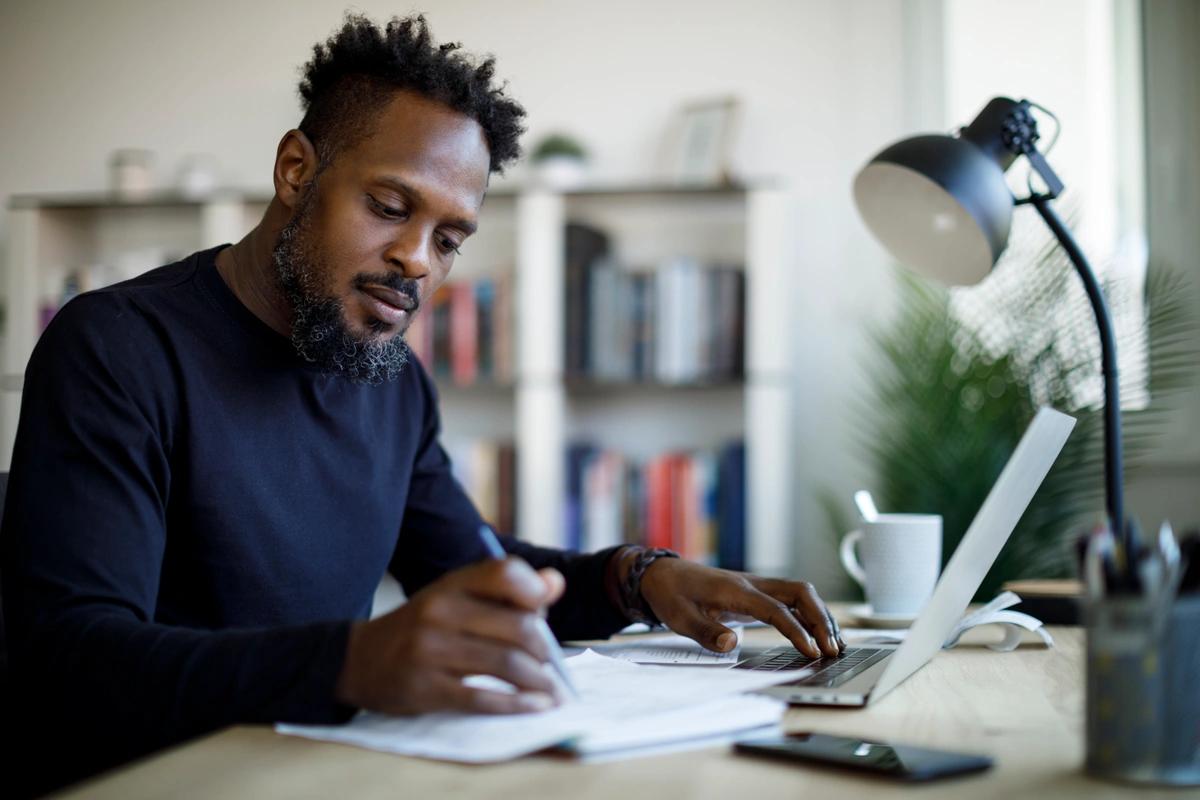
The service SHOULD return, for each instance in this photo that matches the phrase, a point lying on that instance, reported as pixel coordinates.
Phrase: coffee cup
(896, 558)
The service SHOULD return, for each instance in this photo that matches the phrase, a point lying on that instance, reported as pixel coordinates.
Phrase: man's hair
(359, 68)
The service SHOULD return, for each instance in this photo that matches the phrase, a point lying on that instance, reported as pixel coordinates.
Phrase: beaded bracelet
(635, 606)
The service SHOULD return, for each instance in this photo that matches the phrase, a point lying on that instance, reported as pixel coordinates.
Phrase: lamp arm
(1108, 363)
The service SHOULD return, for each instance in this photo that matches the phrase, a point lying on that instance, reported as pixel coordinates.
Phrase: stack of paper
(621, 706)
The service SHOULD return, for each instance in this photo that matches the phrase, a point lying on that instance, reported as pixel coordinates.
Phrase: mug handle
(850, 560)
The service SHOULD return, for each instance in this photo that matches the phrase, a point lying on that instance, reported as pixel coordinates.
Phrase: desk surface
(1025, 709)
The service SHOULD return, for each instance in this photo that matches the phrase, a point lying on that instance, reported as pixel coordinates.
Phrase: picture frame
(703, 144)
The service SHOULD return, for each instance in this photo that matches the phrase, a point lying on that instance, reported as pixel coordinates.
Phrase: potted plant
(951, 400)
(559, 161)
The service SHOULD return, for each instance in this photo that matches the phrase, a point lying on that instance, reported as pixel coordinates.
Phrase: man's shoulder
(166, 286)
(125, 316)
(155, 285)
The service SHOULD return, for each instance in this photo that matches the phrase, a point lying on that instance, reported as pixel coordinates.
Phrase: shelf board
(83, 201)
(664, 188)
(169, 197)
(482, 388)
(591, 386)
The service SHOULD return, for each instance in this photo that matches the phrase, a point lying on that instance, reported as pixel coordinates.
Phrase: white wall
(820, 83)
(1063, 56)
(824, 84)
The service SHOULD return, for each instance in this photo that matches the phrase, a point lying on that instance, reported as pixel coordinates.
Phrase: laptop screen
(993, 524)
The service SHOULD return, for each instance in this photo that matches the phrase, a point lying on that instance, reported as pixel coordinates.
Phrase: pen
(1094, 561)
(492, 544)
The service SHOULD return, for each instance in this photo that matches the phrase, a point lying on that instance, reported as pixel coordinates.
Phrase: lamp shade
(940, 206)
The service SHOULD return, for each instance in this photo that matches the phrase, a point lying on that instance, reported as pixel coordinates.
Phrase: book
(464, 334)
(584, 245)
(439, 364)
(603, 513)
(506, 496)
(502, 322)
(642, 300)
(578, 456)
(679, 323)
(691, 502)
(486, 469)
(731, 507)
(485, 329)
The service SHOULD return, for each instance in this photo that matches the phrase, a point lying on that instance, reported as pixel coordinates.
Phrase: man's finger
(454, 695)
(511, 581)
(468, 655)
(776, 613)
(707, 632)
(812, 611)
(556, 584)
(490, 620)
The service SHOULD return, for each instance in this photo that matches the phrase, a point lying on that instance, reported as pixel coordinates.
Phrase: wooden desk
(1025, 709)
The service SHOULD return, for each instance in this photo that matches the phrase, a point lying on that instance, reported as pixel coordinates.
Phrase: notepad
(671, 648)
(622, 705)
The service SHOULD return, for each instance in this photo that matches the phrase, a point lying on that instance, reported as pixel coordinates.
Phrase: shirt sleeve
(440, 533)
(84, 536)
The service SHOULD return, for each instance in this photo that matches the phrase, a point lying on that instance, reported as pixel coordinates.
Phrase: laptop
(862, 675)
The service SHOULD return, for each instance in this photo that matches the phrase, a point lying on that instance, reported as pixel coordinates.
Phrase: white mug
(901, 559)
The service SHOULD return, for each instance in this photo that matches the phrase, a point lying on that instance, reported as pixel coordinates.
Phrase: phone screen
(899, 761)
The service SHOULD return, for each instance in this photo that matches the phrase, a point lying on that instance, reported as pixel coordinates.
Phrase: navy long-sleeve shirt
(195, 516)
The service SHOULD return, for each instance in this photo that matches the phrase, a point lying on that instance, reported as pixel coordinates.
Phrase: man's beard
(319, 330)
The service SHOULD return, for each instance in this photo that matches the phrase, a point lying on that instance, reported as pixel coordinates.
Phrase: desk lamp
(940, 205)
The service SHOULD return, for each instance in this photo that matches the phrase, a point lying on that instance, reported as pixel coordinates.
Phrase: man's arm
(440, 534)
(84, 534)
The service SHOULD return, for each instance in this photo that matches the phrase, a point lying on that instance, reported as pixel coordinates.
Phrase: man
(217, 461)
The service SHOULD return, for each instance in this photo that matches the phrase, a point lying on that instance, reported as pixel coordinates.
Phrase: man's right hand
(478, 620)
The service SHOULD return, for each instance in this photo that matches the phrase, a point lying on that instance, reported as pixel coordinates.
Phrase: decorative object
(704, 142)
(197, 176)
(131, 174)
(559, 162)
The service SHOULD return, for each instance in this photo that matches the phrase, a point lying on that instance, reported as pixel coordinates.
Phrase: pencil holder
(1143, 692)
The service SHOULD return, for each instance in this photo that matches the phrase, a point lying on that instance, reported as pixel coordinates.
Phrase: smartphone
(892, 760)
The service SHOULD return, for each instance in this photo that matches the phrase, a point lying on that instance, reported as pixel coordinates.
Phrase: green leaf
(959, 375)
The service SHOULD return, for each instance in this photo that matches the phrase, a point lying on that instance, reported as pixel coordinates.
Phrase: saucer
(863, 614)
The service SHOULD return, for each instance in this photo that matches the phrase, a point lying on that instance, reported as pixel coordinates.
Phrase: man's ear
(295, 167)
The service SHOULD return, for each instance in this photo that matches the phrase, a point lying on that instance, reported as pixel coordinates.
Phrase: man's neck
(247, 270)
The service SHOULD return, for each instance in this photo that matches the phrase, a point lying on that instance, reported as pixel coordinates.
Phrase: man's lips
(388, 305)
(391, 297)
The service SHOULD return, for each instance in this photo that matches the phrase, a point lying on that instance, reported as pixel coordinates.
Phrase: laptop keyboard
(829, 671)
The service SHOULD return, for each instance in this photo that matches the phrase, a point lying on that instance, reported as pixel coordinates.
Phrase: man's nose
(408, 252)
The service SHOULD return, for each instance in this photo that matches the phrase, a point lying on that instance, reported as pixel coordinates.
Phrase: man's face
(378, 235)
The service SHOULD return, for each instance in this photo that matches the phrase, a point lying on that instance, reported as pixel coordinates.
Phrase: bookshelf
(540, 408)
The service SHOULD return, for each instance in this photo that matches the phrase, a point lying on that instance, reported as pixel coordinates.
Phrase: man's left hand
(691, 598)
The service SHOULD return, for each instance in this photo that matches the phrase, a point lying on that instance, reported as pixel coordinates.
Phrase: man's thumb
(710, 634)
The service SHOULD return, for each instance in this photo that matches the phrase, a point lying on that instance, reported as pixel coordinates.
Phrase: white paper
(868, 636)
(615, 695)
(672, 649)
(698, 724)
(1012, 623)
(997, 612)
(666, 748)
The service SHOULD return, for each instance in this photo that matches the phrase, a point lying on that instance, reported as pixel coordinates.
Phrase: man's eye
(386, 210)
(448, 246)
